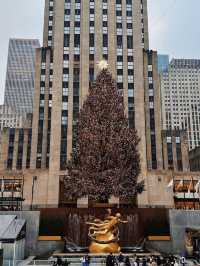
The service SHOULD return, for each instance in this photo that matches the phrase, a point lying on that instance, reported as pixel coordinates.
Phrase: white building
(180, 90)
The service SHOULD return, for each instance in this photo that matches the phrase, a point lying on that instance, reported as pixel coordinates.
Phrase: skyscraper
(19, 85)
(180, 89)
(77, 35)
(163, 62)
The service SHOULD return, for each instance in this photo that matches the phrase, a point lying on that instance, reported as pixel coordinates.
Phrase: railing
(12, 262)
(69, 261)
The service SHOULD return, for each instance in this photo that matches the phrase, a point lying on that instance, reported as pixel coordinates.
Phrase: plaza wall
(46, 248)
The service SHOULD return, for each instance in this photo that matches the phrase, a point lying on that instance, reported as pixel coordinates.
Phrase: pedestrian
(66, 263)
(127, 261)
(83, 261)
(87, 260)
(110, 260)
(59, 261)
(176, 263)
(182, 261)
(144, 262)
(120, 259)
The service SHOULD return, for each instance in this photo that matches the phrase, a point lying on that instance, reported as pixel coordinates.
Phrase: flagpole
(193, 192)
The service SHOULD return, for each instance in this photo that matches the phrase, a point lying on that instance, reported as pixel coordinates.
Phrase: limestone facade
(77, 35)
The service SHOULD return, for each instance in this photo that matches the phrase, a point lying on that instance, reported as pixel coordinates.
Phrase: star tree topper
(103, 64)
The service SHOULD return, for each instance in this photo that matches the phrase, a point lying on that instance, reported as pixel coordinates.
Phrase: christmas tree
(105, 160)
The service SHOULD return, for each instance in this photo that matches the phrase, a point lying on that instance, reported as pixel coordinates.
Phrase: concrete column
(165, 154)
(139, 97)
(84, 63)
(146, 30)
(185, 152)
(112, 37)
(157, 112)
(98, 35)
(139, 84)
(25, 146)
(4, 148)
(147, 113)
(54, 166)
(46, 110)
(70, 97)
(15, 152)
(46, 22)
(36, 102)
(125, 61)
(174, 153)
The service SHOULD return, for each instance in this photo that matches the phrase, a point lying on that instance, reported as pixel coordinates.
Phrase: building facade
(175, 150)
(194, 159)
(77, 35)
(20, 74)
(180, 90)
(9, 118)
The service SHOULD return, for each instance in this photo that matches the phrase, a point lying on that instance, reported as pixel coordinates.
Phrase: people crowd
(124, 260)
(134, 260)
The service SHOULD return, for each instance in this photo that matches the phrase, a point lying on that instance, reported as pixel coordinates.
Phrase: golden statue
(105, 234)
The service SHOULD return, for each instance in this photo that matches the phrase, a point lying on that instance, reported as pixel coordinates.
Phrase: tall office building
(77, 35)
(19, 85)
(180, 89)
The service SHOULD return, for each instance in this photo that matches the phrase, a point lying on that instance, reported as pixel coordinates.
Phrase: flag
(197, 187)
(2, 185)
(190, 187)
(171, 183)
(180, 184)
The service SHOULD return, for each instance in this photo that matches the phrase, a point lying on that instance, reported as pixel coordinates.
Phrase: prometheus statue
(105, 234)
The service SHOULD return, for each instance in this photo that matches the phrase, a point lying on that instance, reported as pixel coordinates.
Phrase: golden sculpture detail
(105, 234)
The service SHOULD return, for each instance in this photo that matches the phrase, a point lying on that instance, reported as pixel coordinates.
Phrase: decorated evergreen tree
(105, 160)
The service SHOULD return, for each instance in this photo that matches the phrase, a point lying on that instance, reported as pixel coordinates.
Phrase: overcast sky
(173, 27)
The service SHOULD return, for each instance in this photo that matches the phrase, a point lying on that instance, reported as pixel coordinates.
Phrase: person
(120, 259)
(182, 261)
(87, 260)
(137, 261)
(59, 261)
(176, 263)
(66, 263)
(110, 260)
(159, 260)
(144, 262)
(127, 261)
